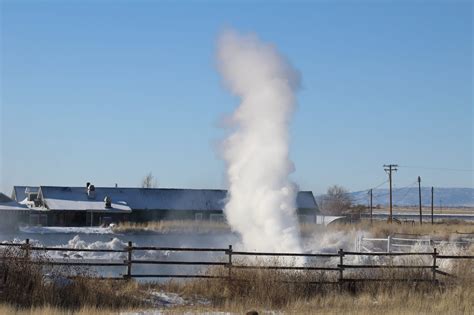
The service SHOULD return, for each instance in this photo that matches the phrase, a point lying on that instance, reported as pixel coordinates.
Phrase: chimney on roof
(90, 191)
(108, 202)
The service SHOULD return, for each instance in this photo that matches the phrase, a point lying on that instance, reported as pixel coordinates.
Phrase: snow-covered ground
(162, 301)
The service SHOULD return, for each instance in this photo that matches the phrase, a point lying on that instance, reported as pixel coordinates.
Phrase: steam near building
(262, 199)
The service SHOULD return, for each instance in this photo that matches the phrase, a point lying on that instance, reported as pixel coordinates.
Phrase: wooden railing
(340, 268)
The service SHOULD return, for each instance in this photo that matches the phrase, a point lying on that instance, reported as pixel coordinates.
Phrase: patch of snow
(166, 299)
(162, 301)
(161, 312)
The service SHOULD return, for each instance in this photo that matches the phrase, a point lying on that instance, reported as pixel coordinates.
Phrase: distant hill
(447, 197)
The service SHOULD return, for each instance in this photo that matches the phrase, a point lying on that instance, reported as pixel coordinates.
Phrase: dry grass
(184, 226)
(451, 300)
(455, 301)
(378, 228)
(6, 309)
(189, 226)
(267, 290)
(427, 209)
(27, 292)
(276, 290)
(28, 285)
(383, 229)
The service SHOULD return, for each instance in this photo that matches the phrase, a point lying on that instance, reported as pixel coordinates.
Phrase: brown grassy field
(261, 290)
(6, 309)
(378, 228)
(427, 209)
(266, 290)
(444, 230)
(171, 226)
(27, 285)
(454, 300)
(27, 292)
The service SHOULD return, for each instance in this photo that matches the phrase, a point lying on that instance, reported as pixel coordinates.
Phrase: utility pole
(370, 193)
(432, 205)
(419, 198)
(389, 169)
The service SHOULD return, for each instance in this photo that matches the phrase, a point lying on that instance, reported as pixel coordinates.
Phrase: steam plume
(262, 199)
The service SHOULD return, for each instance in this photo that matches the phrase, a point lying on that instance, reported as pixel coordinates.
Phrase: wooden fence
(339, 268)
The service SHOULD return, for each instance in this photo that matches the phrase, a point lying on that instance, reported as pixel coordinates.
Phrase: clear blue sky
(106, 91)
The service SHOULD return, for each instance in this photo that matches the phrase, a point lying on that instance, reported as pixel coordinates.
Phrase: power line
(439, 168)
(378, 196)
(382, 195)
(363, 197)
(385, 181)
(408, 187)
(407, 190)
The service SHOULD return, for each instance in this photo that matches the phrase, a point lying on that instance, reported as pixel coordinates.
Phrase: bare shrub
(149, 181)
(337, 200)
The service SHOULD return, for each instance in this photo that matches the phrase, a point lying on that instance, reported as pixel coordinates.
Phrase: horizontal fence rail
(179, 249)
(227, 262)
(283, 254)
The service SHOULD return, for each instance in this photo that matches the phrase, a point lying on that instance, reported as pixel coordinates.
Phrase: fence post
(229, 252)
(27, 248)
(341, 268)
(434, 264)
(129, 260)
(389, 243)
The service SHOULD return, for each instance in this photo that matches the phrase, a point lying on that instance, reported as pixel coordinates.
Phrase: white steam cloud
(262, 199)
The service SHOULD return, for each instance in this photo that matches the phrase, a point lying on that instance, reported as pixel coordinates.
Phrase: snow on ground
(162, 301)
(168, 299)
(78, 243)
(163, 312)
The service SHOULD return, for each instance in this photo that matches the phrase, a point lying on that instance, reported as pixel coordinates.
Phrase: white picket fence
(395, 244)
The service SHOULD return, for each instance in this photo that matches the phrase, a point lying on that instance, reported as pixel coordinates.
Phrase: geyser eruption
(262, 199)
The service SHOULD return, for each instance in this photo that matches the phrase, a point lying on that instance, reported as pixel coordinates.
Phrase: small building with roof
(93, 206)
(12, 212)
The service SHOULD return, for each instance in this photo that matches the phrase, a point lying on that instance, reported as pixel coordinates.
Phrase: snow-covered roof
(20, 192)
(75, 198)
(7, 203)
